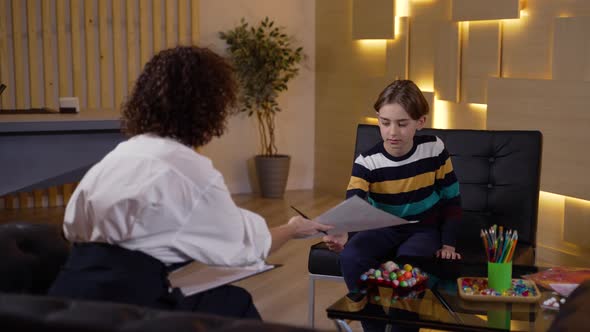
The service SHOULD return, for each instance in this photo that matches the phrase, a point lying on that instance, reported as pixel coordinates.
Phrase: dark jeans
(102, 272)
(368, 249)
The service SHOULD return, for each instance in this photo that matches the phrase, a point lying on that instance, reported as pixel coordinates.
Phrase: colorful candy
(390, 274)
(479, 286)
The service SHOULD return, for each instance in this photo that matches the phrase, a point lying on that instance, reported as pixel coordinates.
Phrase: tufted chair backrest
(499, 175)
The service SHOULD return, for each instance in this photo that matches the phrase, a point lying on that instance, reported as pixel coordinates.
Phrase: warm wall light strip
(370, 120)
(402, 8)
(373, 44)
(440, 116)
(478, 107)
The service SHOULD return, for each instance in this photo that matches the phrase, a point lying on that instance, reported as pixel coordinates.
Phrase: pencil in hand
(306, 217)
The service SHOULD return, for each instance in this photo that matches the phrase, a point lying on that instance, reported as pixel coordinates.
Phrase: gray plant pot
(272, 173)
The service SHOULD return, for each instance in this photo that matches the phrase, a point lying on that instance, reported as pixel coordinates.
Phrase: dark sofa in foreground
(32, 255)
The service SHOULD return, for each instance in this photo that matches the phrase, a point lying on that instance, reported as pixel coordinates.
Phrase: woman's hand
(448, 252)
(302, 227)
(336, 242)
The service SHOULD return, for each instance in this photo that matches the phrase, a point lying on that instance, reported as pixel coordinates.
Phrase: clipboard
(197, 277)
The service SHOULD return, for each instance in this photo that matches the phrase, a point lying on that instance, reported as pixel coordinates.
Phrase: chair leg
(311, 305)
(342, 326)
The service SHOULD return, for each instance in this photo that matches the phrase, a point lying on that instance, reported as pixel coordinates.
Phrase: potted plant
(265, 62)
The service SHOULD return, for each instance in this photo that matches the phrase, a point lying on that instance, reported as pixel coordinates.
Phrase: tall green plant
(265, 62)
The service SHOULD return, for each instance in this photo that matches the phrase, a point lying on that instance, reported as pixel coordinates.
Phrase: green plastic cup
(499, 319)
(500, 276)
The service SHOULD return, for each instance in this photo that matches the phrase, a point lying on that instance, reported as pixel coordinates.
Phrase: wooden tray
(492, 298)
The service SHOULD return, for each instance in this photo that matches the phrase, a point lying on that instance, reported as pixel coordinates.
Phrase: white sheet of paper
(355, 214)
(196, 277)
(564, 289)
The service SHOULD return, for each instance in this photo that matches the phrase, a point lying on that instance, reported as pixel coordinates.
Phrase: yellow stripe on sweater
(444, 169)
(358, 183)
(403, 185)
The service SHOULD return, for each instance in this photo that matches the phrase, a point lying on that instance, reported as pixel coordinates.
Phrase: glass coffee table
(440, 307)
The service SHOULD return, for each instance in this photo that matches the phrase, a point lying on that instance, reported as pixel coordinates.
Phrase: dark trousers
(368, 249)
(102, 272)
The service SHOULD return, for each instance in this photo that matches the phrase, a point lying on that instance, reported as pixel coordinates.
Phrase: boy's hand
(336, 242)
(448, 252)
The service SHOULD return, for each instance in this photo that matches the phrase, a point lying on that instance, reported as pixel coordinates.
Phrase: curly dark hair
(405, 93)
(184, 93)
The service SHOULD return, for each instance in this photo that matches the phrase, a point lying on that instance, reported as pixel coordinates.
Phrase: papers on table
(355, 214)
(564, 289)
(197, 277)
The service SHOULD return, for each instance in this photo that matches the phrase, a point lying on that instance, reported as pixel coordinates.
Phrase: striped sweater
(420, 185)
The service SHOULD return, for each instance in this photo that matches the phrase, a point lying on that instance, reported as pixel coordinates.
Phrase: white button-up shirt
(160, 197)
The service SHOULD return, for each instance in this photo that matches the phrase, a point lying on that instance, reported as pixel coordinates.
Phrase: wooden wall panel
(559, 109)
(64, 44)
(35, 43)
(171, 23)
(571, 49)
(397, 51)
(184, 22)
(21, 54)
(133, 37)
(106, 48)
(92, 56)
(480, 59)
(145, 31)
(92, 49)
(447, 62)
(526, 45)
(473, 10)
(159, 23)
(120, 60)
(78, 47)
(576, 228)
(50, 62)
(373, 19)
(425, 21)
(6, 55)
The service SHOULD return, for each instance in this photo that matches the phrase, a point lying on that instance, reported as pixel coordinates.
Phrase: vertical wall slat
(159, 25)
(6, 55)
(171, 23)
(23, 200)
(119, 51)
(78, 61)
(68, 189)
(92, 61)
(50, 64)
(145, 33)
(38, 198)
(195, 21)
(105, 22)
(52, 196)
(64, 34)
(132, 42)
(21, 68)
(35, 49)
(184, 23)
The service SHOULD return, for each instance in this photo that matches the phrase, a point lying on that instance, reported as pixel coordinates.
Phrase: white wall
(232, 153)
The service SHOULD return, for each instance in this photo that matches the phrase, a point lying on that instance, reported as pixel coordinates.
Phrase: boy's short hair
(405, 93)
(184, 93)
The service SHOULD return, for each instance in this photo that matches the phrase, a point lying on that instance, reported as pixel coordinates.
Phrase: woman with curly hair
(153, 203)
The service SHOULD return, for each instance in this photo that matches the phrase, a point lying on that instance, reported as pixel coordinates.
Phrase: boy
(406, 175)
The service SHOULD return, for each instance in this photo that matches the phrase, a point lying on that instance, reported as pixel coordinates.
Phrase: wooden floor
(280, 295)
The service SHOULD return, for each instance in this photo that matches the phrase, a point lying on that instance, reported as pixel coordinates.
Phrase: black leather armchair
(499, 177)
(32, 255)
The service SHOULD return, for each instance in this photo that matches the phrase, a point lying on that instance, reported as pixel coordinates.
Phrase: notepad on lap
(197, 277)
